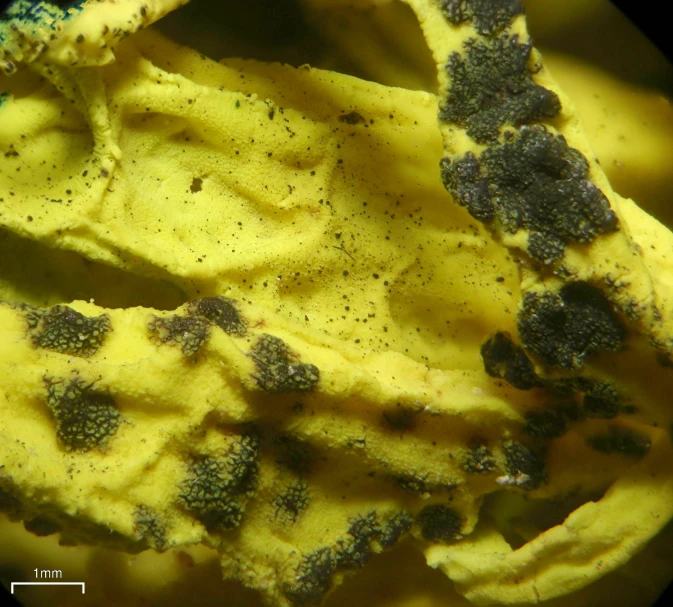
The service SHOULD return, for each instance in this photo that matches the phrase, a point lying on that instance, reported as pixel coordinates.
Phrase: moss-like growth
(85, 418)
(221, 312)
(68, 331)
(215, 486)
(565, 327)
(278, 369)
(313, 578)
(490, 85)
(621, 440)
(440, 523)
(532, 181)
(188, 332)
(489, 16)
(503, 358)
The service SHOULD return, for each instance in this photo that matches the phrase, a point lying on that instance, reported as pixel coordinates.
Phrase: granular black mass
(393, 529)
(68, 331)
(490, 85)
(214, 486)
(503, 358)
(291, 502)
(221, 312)
(533, 181)
(85, 418)
(479, 459)
(278, 369)
(621, 440)
(527, 466)
(489, 16)
(565, 327)
(440, 523)
(313, 578)
(189, 332)
(355, 551)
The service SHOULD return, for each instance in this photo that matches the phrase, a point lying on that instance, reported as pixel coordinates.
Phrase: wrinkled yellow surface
(165, 177)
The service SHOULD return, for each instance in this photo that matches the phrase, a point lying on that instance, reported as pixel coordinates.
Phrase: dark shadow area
(33, 273)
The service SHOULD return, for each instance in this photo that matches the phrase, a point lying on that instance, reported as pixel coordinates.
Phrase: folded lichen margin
(476, 111)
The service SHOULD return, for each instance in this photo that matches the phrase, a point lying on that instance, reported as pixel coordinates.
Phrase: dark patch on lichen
(411, 484)
(291, 502)
(394, 528)
(295, 454)
(620, 440)
(42, 526)
(355, 551)
(313, 578)
(440, 523)
(503, 358)
(551, 422)
(221, 312)
(532, 181)
(525, 467)
(278, 369)
(9, 503)
(490, 85)
(352, 118)
(603, 408)
(188, 332)
(665, 360)
(215, 486)
(67, 331)
(149, 528)
(565, 327)
(85, 418)
(479, 458)
(489, 16)
(399, 419)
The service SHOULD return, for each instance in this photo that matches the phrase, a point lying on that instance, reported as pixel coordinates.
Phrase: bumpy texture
(317, 352)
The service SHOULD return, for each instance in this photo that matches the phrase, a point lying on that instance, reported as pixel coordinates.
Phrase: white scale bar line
(46, 584)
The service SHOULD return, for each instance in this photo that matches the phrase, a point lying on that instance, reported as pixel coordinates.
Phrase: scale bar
(46, 584)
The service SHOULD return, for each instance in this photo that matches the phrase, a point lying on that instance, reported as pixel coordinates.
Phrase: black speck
(351, 118)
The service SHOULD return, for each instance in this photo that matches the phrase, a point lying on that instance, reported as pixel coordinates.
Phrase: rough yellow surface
(240, 310)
